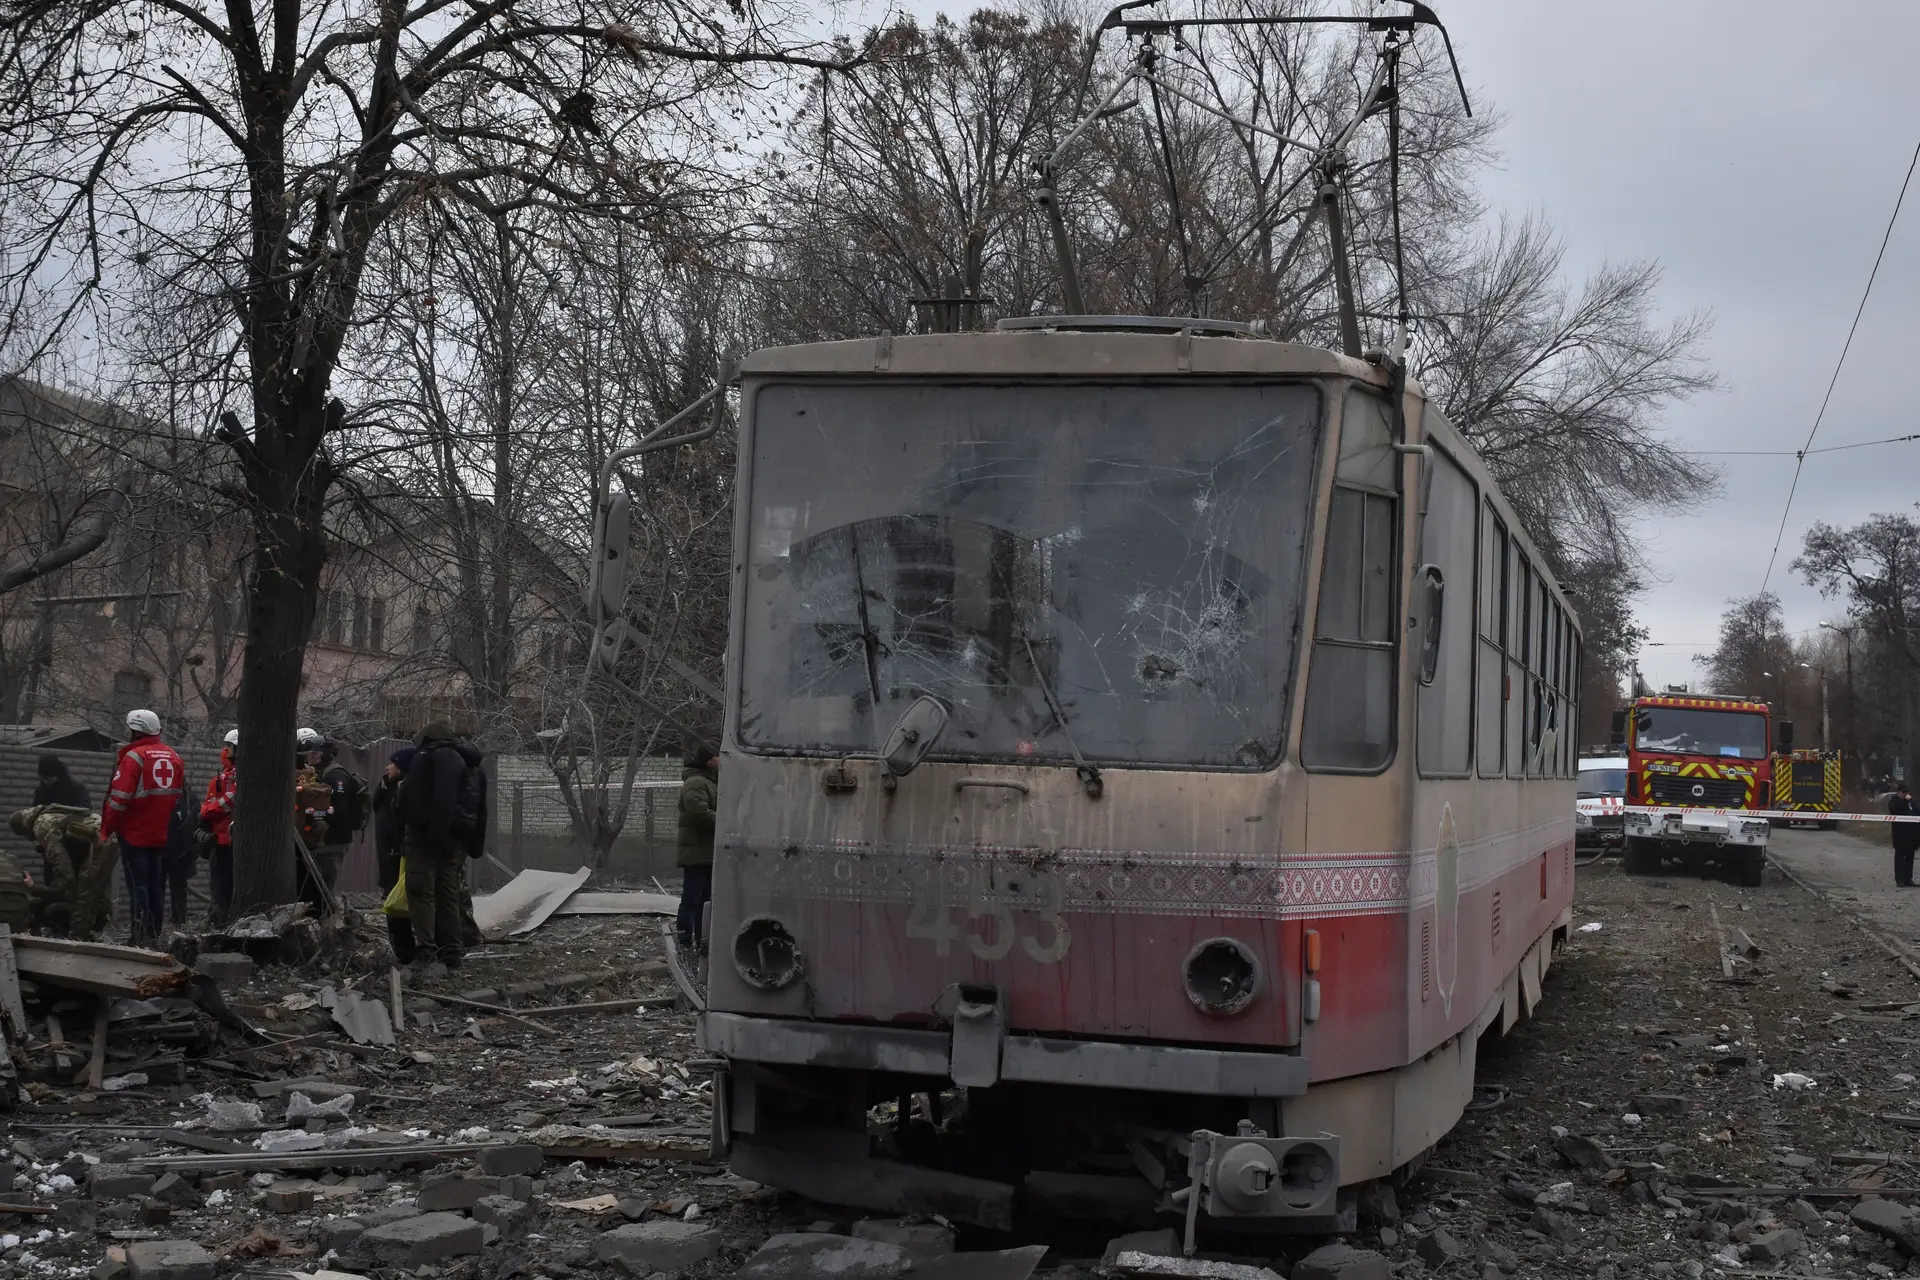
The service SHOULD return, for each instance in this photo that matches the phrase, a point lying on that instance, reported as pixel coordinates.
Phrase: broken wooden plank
(359, 1156)
(680, 978)
(393, 985)
(608, 1006)
(574, 1142)
(99, 967)
(1905, 1122)
(494, 1009)
(97, 1063)
(1806, 1193)
(57, 1046)
(1720, 940)
(26, 1208)
(10, 1003)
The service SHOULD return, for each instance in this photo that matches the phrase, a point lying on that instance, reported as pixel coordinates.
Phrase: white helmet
(233, 738)
(309, 739)
(144, 723)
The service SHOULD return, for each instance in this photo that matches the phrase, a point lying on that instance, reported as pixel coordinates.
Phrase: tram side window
(1490, 727)
(1447, 540)
(1519, 691)
(1539, 669)
(1349, 714)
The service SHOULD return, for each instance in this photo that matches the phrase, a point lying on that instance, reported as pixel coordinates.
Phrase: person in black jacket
(182, 855)
(1906, 835)
(443, 804)
(58, 786)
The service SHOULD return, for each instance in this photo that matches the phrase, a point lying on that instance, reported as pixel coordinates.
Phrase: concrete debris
(1793, 1080)
(918, 1238)
(522, 1158)
(1163, 1242)
(822, 1256)
(1342, 1262)
(301, 1107)
(168, 1260)
(510, 1216)
(225, 966)
(664, 1245)
(425, 1240)
(1148, 1264)
(1004, 1264)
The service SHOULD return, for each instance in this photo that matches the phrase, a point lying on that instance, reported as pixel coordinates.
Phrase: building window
(131, 690)
(333, 621)
(422, 629)
(360, 620)
(377, 624)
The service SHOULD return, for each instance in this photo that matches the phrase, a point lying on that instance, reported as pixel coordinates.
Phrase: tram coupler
(1247, 1174)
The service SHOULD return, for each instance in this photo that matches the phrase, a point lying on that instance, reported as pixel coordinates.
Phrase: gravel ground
(1646, 1123)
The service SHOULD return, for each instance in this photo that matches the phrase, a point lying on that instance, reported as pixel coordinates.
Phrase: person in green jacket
(699, 798)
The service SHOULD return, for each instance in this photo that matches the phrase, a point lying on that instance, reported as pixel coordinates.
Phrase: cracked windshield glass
(1134, 552)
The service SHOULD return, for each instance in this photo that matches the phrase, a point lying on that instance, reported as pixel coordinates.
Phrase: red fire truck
(1705, 756)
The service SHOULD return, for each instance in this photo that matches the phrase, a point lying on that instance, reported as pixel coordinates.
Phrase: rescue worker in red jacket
(147, 781)
(216, 815)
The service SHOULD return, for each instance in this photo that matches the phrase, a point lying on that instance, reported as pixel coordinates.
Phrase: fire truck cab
(1707, 757)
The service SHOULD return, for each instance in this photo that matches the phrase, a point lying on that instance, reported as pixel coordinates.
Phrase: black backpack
(469, 807)
(359, 802)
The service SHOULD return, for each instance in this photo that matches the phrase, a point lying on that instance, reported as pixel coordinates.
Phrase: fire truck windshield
(1696, 731)
(1135, 550)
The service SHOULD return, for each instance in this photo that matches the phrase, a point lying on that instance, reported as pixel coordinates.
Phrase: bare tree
(242, 162)
(1755, 655)
(1875, 568)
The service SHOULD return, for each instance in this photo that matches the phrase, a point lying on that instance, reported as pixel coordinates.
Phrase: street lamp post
(1825, 728)
(1853, 730)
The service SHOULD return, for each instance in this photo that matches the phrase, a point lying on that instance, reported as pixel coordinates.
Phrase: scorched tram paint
(1147, 775)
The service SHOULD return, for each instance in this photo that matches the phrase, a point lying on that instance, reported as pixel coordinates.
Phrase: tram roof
(1058, 353)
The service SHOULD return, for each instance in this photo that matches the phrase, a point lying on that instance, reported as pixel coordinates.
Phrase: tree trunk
(282, 592)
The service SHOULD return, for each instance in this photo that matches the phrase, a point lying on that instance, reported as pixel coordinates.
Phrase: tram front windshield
(1112, 568)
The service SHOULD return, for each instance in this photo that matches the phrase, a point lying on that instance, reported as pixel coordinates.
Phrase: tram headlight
(1581, 819)
(765, 954)
(1223, 976)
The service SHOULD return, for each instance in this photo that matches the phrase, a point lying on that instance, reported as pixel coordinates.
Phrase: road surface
(1855, 874)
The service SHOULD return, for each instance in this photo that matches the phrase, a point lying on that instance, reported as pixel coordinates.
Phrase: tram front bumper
(1094, 1064)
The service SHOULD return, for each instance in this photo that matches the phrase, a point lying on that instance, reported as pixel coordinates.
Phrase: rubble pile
(1720, 1083)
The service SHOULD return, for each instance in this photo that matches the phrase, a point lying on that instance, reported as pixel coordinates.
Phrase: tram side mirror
(1617, 729)
(918, 728)
(1431, 592)
(1786, 737)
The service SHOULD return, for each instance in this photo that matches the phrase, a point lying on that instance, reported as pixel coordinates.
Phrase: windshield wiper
(1089, 776)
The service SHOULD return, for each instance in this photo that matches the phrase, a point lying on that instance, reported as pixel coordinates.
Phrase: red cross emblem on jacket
(146, 785)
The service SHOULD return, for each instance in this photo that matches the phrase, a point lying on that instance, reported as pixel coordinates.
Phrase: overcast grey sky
(1755, 150)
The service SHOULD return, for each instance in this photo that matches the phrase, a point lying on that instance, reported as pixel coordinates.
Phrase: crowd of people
(428, 814)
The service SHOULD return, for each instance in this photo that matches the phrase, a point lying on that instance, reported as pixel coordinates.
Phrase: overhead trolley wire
(1839, 364)
(1792, 453)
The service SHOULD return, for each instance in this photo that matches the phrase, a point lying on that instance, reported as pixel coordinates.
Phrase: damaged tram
(1147, 775)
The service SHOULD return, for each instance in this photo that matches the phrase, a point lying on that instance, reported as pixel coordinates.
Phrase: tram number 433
(993, 909)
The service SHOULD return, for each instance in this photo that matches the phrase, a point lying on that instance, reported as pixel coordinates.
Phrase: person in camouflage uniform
(76, 898)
